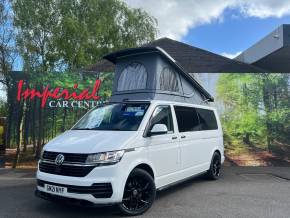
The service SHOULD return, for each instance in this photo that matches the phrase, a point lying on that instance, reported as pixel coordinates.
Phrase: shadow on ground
(48, 208)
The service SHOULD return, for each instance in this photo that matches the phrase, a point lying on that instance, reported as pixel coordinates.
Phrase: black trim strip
(98, 190)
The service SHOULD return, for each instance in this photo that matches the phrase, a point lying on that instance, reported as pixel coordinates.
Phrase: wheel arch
(146, 167)
(219, 151)
(141, 164)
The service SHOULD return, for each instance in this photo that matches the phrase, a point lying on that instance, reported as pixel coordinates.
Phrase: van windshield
(117, 116)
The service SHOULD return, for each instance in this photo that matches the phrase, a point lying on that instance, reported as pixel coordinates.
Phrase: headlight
(109, 157)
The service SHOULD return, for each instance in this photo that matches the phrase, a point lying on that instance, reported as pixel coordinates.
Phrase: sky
(226, 27)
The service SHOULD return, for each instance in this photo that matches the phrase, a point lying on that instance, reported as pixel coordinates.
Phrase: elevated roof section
(115, 56)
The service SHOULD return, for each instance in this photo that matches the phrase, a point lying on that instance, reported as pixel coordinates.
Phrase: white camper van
(122, 153)
(156, 131)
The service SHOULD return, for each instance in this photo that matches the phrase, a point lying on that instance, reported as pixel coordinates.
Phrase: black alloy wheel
(139, 193)
(215, 168)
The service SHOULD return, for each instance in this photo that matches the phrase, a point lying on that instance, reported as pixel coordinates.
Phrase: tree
(275, 94)
(257, 106)
(36, 24)
(89, 29)
(241, 115)
(7, 58)
(70, 34)
(7, 37)
(56, 38)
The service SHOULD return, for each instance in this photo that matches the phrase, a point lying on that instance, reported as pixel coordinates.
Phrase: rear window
(207, 119)
(187, 119)
(195, 119)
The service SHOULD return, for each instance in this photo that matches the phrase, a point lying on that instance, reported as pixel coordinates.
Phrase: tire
(139, 193)
(215, 167)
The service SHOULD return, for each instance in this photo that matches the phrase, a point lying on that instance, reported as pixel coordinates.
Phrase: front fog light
(109, 157)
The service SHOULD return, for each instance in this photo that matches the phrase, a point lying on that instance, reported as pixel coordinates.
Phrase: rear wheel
(139, 193)
(215, 167)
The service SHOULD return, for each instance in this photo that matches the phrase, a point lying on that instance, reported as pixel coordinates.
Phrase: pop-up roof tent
(149, 73)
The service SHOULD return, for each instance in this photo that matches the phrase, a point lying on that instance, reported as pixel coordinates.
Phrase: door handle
(183, 136)
(174, 137)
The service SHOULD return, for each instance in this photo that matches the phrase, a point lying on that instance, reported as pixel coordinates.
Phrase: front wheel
(139, 193)
(215, 167)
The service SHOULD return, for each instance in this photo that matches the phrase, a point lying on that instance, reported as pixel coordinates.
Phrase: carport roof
(191, 59)
(272, 52)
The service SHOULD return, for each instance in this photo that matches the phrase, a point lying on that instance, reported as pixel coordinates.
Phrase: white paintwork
(159, 129)
(171, 157)
(90, 141)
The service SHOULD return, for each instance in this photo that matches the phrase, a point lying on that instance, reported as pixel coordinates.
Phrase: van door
(191, 141)
(163, 150)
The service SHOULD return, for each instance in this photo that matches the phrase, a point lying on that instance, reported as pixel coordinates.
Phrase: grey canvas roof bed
(149, 73)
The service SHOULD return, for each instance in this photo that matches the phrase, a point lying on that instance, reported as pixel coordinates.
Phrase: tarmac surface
(240, 192)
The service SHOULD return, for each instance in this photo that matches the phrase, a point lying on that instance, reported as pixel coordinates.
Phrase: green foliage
(256, 107)
(70, 34)
(7, 45)
(107, 85)
(36, 23)
(3, 108)
(57, 38)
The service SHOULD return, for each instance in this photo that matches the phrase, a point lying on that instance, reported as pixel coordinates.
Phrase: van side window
(162, 115)
(187, 119)
(207, 119)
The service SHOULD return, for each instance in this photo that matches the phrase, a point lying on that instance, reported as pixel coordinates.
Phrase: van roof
(115, 56)
(167, 102)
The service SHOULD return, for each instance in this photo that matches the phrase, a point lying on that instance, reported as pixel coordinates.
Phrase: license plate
(55, 189)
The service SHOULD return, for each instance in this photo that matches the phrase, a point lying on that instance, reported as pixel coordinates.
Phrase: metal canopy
(272, 52)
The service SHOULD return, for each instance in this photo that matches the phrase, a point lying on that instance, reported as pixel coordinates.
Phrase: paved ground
(241, 192)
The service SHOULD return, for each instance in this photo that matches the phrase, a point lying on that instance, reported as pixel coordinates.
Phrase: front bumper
(103, 185)
(98, 190)
(71, 201)
(62, 199)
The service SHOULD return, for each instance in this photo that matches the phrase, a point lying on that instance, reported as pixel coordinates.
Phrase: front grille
(65, 170)
(98, 190)
(68, 157)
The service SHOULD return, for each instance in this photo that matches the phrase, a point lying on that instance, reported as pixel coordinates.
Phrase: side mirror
(158, 129)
